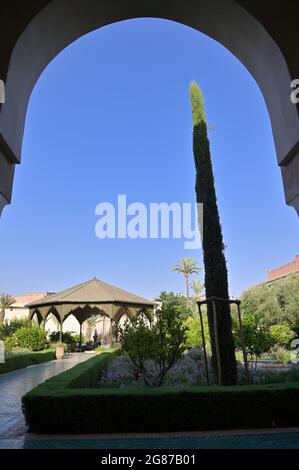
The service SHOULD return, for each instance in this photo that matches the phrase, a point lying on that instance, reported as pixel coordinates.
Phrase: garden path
(14, 385)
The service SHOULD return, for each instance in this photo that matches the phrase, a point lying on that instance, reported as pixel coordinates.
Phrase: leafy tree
(274, 303)
(258, 300)
(193, 333)
(183, 309)
(6, 301)
(281, 334)
(257, 337)
(286, 291)
(33, 337)
(216, 280)
(187, 266)
(154, 350)
(8, 328)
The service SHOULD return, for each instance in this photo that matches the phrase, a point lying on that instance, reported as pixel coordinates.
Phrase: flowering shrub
(188, 370)
(121, 372)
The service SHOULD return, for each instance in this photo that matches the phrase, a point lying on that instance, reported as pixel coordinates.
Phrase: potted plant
(59, 350)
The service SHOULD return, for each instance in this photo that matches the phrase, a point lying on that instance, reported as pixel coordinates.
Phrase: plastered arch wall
(61, 22)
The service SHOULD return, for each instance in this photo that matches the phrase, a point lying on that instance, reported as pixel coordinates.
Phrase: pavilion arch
(121, 312)
(54, 312)
(84, 313)
(131, 312)
(36, 314)
(56, 24)
(122, 315)
(149, 315)
(48, 317)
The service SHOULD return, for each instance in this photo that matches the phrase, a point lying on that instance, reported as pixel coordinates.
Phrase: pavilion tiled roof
(92, 292)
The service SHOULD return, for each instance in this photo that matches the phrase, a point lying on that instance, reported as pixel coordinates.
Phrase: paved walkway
(236, 439)
(15, 384)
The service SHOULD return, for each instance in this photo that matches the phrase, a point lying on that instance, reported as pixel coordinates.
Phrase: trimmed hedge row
(23, 360)
(57, 407)
(87, 375)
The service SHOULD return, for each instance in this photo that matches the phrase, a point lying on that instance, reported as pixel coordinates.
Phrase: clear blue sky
(111, 115)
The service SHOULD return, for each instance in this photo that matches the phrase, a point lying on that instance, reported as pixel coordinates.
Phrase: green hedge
(23, 360)
(63, 405)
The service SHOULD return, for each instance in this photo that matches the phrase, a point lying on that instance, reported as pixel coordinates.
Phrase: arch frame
(38, 314)
(94, 310)
(61, 22)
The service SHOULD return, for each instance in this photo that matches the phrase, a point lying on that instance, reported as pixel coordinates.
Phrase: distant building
(18, 309)
(285, 270)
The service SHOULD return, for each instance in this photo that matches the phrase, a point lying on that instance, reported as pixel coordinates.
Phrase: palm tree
(6, 301)
(187, 266)
(197, 287)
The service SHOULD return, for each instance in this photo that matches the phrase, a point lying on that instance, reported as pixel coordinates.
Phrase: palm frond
(6, 301)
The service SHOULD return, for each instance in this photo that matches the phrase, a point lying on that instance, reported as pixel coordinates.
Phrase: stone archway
(60, 22)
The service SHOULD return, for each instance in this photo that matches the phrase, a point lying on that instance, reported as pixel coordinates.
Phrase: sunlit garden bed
(73, 402)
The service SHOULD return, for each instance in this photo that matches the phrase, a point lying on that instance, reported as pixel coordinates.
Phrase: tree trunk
(2, 316)
(187, 288)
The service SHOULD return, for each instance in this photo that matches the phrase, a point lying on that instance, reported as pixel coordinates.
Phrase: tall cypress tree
(216, 281)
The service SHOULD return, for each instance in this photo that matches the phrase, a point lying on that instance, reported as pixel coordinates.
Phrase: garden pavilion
(90, 298)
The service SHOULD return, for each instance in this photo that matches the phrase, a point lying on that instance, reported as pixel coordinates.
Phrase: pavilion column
(103, 328)
(80, 338)
(110, 333)
(60, 331)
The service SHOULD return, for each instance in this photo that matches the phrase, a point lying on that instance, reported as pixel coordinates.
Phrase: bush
(10, 343)
(33, 338)
(257, 337)
(20, 360)
(193, 333)
(8, 328)
(60, 406)
(275, 377)
(281, 334)
(283, 356)
(67, 337)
